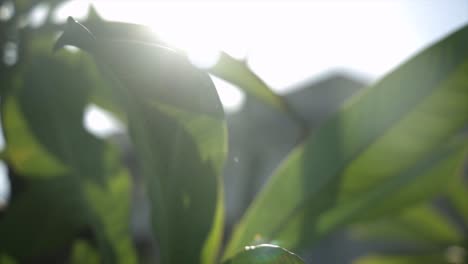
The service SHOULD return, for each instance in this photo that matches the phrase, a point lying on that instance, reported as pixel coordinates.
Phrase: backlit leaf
(177, 125)
(390, 136)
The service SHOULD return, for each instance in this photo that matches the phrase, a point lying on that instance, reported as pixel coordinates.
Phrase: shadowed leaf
(46, 216)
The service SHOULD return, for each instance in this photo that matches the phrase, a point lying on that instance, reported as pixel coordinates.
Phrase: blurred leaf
(238, 73)
(24, 153)
(425, 179)
(42, 219)
(83, 252)
(23, 6)
(111, 206)
(43, 115)
(377, 143)
(119, 30)
(4, 259)
(48, 214)
(416, 259)
(177, 125)
(181, 159)
(422, 224)
(52, 98)
(264, 254)
(458, 195)
(103, 97)
(227, 68)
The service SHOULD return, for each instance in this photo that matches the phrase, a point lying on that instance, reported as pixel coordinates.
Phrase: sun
(199, 29)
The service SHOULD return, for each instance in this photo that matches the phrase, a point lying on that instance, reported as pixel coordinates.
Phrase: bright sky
(290, 41)
(287, 42)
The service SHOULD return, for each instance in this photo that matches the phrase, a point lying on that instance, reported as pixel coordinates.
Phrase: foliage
(267, 254)
(374, 167)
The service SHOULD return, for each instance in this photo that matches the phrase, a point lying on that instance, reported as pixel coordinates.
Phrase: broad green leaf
(382, 139)
(422, 225)
(23, 151)
(424, 179)
(83, 252)
(42, 218)
(5, 259)
(458, 195)
(43, 113)
(416, 259)
(111, 207)
(46, 216)
(227, 67)
(52, 102)
(181, 159)
(238, 73)
(177, 125)
(209, 136)
(264, 254)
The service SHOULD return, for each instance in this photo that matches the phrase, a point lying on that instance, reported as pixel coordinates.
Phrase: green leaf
(422, 225)
(424, 179)
(5, 259)
(416, 259)
(83, 252)
(237, 72)
(58, 165)
(183, 180)
(46, 216)
(382, 139)
(23, 151)
(110, 205)
(52, 102)
(177, 125)
(227, 68)
(458, 195)
(264, 254)
(43, 113)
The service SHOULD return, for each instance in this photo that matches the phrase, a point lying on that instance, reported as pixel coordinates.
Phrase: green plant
(390, 149)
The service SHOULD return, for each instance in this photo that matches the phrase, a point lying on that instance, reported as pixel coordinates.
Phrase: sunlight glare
(38, 15)
(100, 122)
(289, 42)
(5, 187)
(200, 30)
(231, 97)
(76, 9)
